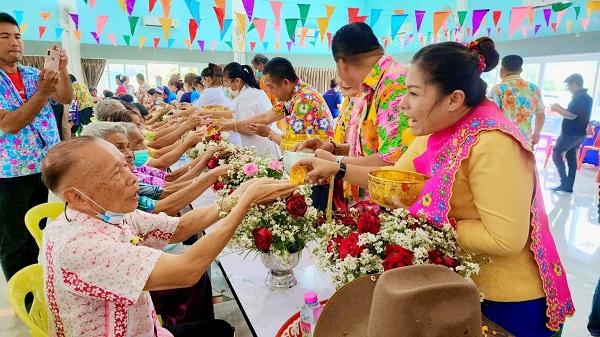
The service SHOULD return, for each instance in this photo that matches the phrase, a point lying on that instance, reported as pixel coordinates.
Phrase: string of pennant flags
(246, 22)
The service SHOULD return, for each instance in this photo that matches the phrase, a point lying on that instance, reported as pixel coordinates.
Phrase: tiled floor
(574, 223)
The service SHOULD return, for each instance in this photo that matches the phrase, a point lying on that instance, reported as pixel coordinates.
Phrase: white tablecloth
(266, 309)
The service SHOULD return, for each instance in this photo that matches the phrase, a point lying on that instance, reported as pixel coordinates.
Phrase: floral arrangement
(368, 241)
(281, 228)
(208, 142)
(247, 164)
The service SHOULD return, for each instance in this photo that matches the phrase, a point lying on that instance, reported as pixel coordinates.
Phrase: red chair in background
(585, 149)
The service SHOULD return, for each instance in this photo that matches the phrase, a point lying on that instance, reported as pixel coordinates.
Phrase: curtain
(318, 78)
(92, 70)
(33, 61)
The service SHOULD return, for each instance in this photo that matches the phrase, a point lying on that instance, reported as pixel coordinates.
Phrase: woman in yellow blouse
(483, 181)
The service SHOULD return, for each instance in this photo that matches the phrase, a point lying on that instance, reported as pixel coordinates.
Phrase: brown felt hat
(414, 301)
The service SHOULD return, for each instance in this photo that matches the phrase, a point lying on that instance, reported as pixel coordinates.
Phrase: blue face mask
(259, 73)
(141, 157)
(108, 216)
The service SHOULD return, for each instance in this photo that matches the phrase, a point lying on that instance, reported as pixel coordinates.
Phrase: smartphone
(52, 59)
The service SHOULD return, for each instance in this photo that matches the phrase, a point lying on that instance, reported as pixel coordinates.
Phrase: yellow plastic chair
(33, 217)
(29, 280)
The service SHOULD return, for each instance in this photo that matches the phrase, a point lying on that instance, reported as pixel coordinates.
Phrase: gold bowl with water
(405, 185)
(288, 142)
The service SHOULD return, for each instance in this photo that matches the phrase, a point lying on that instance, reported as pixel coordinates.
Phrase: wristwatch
(342, 172)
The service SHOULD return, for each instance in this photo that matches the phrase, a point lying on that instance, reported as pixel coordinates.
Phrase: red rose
(232, 190)
(334, 243)
(369, 222)
(296, 205)
(212, 164)
(262, 238)
(349, 246)
(396, 256)
(347, 220)
(217, 136)
(450, 262)
(435, 257)
(219, 185)
(321, 220)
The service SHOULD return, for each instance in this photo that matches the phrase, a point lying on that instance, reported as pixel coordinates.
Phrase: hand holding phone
(52, 60)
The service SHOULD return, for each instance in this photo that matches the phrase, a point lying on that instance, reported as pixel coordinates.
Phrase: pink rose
(250, 169)
(276, 165)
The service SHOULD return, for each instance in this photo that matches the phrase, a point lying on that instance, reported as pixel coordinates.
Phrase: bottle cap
(310, 297)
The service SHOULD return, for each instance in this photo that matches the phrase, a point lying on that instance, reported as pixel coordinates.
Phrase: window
(132, 70)
(531, 72)
(164, 70)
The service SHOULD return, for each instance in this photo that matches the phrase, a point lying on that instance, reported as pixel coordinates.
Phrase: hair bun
(217, 70)
(486, 47)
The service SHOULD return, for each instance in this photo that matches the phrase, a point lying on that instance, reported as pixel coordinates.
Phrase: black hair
(452, 66)
(512, 63)
(126, 98)
(259, 58)
(140, 77)
(121, 78)
(142, 108)
(280, 69)
(129, 106)
(92, 88)
(575, 78)
(152, 91)
(352, 40)
(333, 84)
(215, 72)
(7, 18)
(235, 70)
(212, 70)
(73, 78)
(198, 80)
(109, 94)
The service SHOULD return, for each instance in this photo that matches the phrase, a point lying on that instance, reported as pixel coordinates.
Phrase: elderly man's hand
(265, 190)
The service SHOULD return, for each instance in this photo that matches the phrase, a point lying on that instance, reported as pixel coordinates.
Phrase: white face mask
(232, 93)
(108, 216)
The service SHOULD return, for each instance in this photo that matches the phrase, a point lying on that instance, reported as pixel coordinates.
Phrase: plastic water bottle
(309, 314)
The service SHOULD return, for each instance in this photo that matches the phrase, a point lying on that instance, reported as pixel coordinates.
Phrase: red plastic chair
(595, 147)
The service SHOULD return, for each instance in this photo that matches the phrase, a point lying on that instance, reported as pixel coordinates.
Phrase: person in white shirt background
(212, 78)
(249, 100)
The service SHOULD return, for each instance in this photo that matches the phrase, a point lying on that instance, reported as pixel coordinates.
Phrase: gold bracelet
(235, 126)
(269, 136)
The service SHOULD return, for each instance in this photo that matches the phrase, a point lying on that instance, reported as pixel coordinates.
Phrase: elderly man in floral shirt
(27, 131)
(102, 256)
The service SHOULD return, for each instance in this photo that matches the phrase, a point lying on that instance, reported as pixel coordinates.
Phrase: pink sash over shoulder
(441, 161)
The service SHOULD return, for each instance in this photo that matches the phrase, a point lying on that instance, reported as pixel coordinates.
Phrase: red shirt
(18, 83)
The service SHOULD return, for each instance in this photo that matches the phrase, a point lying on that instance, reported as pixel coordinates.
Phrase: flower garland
(369, 242)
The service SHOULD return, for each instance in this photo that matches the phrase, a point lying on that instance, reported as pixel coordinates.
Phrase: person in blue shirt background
(333, 98)
(190, 94)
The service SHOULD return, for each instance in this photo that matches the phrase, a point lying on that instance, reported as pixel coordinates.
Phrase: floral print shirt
(519, 100)
(306, 112)
(95, 273)
(142, 94)
(82, 95)
(339, 135)
(378, 125)
(21, 154)
(149, 175)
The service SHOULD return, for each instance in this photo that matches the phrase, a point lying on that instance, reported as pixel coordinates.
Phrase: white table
(267, 310)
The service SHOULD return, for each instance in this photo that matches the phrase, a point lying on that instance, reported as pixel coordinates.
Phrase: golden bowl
(405, 185)
(289, 141)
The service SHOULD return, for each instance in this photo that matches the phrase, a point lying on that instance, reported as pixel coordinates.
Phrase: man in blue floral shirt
(27, 131)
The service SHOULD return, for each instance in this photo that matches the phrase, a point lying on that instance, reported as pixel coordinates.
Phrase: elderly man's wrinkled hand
(265, 190)
(318, 168)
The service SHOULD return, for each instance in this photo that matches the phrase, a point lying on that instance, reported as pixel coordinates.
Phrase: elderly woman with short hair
(153, 198)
